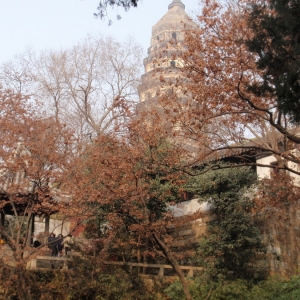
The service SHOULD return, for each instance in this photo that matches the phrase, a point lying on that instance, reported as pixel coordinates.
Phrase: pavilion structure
(19, 195)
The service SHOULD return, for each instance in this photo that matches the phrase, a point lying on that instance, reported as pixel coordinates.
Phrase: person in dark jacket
(60, 245)
(36, 244)
(53, 244)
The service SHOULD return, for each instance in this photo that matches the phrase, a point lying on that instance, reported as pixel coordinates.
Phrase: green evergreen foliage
(276, 41)
(271, 289)
(229, 249)
(88, 279)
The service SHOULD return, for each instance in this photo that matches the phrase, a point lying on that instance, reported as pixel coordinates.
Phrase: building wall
(295, 167)
(279, 227)
(56, 225)
(265, 172)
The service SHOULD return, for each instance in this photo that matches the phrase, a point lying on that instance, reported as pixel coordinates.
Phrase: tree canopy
(235, 99)
(91, 87)
(35, 152)
(276, 41)
(232, 241)
(217, 101)
(130, 184)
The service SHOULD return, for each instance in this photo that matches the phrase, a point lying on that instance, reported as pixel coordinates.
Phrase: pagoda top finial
(176, 3)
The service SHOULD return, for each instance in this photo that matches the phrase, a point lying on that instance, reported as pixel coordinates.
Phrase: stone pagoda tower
(164, 52)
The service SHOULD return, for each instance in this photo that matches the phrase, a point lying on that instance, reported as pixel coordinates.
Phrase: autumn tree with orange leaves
(214, 105)
(35, 153)
(130, 185)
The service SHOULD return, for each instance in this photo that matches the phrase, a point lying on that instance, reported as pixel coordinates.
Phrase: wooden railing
(54, 262)
(147, 269)
(160, 267)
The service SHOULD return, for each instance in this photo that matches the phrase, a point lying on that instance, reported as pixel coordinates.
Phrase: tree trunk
(174, 264)
(20, 269)
(2, 219)
(21, 286)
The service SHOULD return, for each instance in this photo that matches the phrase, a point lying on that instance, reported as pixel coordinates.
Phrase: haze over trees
(69, 132)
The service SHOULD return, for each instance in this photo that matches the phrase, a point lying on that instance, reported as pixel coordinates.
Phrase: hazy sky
(55, 24)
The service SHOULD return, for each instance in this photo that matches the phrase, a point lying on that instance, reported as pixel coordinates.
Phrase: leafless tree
(90, 87)
(96, 80)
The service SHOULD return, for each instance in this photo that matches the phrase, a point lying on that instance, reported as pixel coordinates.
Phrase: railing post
(33, 264)
(65, 266)
(190, 273)
(161, 272)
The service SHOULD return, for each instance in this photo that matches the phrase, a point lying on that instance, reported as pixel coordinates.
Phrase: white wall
(189, 207)
(265, 172)
(55, 225)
